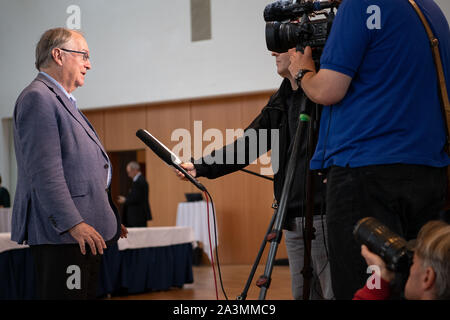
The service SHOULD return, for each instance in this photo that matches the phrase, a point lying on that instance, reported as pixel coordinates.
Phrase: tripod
(274, 232)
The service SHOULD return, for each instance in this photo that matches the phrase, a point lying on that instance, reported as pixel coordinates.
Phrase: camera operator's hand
(301, 61)
(373, 259)
(189, 167)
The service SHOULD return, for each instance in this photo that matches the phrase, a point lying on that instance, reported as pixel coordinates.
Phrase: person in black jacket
(281, 114)
(136, 207)
(5, 201)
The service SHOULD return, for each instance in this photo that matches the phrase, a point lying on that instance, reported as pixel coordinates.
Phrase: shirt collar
(56, 83)
(136, 176)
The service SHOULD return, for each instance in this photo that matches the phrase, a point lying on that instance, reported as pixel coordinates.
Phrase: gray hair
(134, 165)
(433, 247)
(51, 39)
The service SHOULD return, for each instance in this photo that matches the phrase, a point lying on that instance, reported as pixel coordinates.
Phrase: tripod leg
(279, 221)
(243, 295)
(266, 278)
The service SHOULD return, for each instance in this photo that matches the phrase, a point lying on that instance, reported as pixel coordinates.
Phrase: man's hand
(84, 233)
(373, 259)
(189, 167)
(121, 199)
(301, 61)
(123, 231)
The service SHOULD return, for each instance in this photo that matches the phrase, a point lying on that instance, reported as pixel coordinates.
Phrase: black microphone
(285, 10)
(166, 155)
(278, 11)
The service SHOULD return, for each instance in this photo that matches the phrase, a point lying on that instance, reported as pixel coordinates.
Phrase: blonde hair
(52, 38)
(433, 247)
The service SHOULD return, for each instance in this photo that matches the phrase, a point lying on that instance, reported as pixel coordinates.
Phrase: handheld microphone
(166, 155)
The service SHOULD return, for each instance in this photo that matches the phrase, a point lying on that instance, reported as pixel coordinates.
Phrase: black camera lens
(382, 241)
(281, 36)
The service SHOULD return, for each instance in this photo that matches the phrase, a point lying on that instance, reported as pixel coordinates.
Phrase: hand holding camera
(372, 259)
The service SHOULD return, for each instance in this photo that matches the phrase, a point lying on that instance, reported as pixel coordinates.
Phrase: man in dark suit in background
(136, 208)
(4, 196)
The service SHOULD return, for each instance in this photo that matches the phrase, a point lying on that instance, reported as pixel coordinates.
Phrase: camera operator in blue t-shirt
(382, 134)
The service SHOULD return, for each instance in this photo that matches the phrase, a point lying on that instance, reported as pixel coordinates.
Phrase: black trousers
(63, 273)
(403, 197)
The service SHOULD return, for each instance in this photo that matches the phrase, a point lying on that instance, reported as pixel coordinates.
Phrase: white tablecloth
(137, 238)
(193, 214)
(6, 243)
(156, 237)
(5, 219)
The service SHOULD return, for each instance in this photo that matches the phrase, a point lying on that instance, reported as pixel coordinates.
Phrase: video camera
(290, 25)
(395, 251)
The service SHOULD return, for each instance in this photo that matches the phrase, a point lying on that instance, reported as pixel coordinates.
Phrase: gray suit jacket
(62, 170)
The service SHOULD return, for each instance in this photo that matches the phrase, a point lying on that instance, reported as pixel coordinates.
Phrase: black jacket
(273, 116)
(136, 210)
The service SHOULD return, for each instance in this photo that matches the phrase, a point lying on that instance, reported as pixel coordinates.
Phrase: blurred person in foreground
(429, 275)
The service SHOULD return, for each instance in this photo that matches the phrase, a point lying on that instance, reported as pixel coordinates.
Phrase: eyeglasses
(85, 54)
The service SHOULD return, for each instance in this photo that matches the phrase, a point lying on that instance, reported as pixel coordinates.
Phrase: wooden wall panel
(140, 156)
(166, 190)
(243, 201)
(260, 191)
(97, 119)
(121, 126)
(228, 192)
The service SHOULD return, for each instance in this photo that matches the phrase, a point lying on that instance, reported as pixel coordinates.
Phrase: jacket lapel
(69, 106)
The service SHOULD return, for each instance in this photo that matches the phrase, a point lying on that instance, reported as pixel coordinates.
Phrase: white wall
(141, 49)
(445, 6)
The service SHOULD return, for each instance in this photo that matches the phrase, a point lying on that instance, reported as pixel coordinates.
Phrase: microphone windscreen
(166, 155)
(273, 11)
(157, 147)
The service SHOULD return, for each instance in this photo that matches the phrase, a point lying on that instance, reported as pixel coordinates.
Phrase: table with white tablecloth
(148, 259)
(5, 219)
(194, 215)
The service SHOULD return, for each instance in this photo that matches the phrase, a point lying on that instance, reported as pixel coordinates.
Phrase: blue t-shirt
(391, 112)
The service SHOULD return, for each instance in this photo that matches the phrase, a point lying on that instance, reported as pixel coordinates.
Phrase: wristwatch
(298, 78)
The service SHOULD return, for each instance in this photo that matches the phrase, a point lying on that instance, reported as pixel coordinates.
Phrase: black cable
(305, 195)
(256, 174)
(323, 162)
(323, 228)
(216, 249)
(324, 200)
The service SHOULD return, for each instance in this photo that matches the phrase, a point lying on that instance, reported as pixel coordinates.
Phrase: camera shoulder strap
(442, 88)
